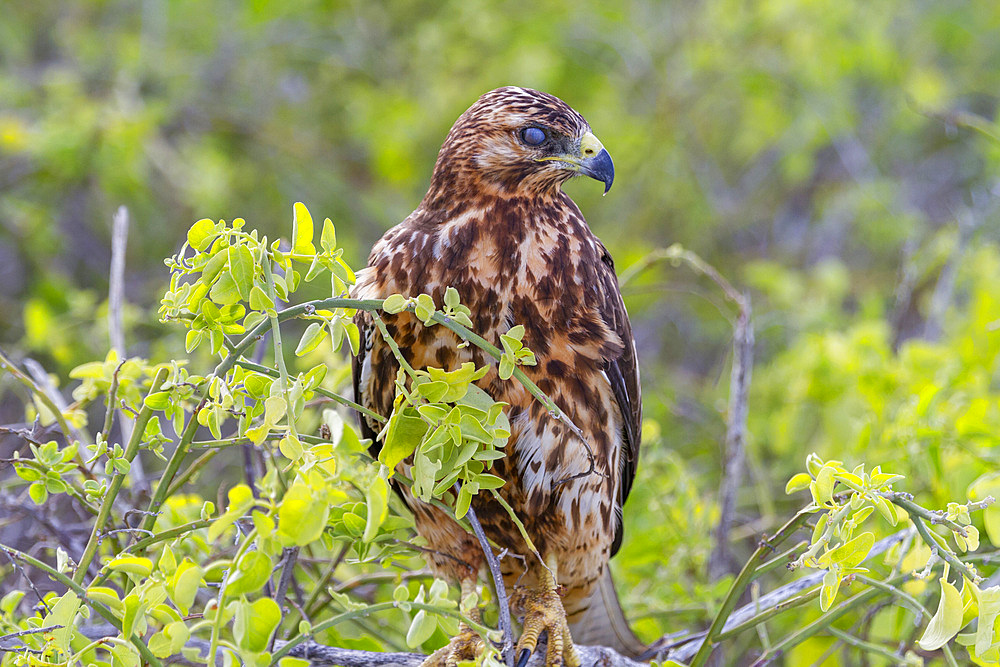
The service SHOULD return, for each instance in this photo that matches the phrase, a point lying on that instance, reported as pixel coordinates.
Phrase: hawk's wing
(358, 367)
(623, 374)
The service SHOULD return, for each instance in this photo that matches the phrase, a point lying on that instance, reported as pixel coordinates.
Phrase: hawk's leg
(466, 645)
(543, 612)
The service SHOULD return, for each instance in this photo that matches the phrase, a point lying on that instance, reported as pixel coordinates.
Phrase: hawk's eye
(533, 136)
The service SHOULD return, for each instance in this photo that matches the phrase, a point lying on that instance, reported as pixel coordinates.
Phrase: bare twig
(968, 221)
(22, 633)
(44, 386)
(739, 389)
(116, 282)
(31, 584)
(116, 325)
(291, 555)
(760, 610)
(503, 606)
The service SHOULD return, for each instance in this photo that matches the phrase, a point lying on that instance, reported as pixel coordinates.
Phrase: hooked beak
(592, 160)
(595, 161)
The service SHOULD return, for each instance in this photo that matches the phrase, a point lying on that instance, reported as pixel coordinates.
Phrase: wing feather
(623, 374)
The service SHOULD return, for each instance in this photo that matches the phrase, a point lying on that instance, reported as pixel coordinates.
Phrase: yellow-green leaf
(301, 517)
(241, 266)
(132, 565)
(302, 230)
(377, 499)
(201, 234)
(311, 338)
(798, 482)
(853, 553)
(947, 621)
(328, 238)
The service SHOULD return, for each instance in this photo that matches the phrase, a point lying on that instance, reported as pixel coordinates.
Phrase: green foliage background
(836, 158)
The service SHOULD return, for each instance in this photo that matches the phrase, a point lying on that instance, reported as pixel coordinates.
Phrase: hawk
(496, 225)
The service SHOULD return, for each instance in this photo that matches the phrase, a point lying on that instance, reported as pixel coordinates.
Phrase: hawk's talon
(466, 645)
(544, 613)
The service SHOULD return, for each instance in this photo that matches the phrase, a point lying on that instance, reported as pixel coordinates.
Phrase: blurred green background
(836, 158)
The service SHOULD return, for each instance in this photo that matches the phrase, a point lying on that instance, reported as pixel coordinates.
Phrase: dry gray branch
(320, 655)
(739, 389)
(686, 648)
(116, 325)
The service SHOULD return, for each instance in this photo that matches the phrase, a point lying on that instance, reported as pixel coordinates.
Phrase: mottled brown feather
(496, 225)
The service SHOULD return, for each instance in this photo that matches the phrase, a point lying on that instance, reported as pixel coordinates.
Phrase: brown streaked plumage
(496, 225)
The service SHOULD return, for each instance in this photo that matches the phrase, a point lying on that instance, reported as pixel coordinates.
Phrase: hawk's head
(520, 142)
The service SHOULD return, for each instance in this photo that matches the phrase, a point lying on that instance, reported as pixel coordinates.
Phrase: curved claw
(543, 613)
(466, 645)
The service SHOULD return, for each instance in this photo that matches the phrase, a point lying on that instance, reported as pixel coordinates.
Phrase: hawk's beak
(595, 161)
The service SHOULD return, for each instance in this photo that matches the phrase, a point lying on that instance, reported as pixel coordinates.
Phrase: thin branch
(101, 609)
(116, 483)
(264, 370)
(116, 325)
(116, 282)
(736, 435)
(739, 585)
(7, 365)
(291, 555)
(503, 606)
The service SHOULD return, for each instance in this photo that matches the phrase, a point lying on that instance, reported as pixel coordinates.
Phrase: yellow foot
(543, 612)
(466, 645)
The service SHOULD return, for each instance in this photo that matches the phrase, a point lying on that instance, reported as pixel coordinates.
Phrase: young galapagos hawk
(496, 225)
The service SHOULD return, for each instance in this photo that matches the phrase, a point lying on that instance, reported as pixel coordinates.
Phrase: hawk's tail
(603, 622)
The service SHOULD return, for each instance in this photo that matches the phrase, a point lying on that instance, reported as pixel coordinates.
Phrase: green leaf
(302, 230)
(887, 510)
(403, 433)
(487, 481)
(824, 485)
(159, 400)
(39, 494)
(249, 575)
(797, 483)
(240, 500)
(989, 610)
(63, 613)
(394, 304)
(463, 502)
(328, 238)
(214, 267)
(9, 602)
(183, 586)
(290, 447)
(301, 517)
(421, 629)
(311, 338)
(353, 337)
(254, 624)
(946, 622)
(831, 584)
(192, 340)
(851, 554)
(201, 234)
(377, 498)
(451, 298)
(241, 267)
(133, 565)
(259, 300)
(170, 640)
(224, 292)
